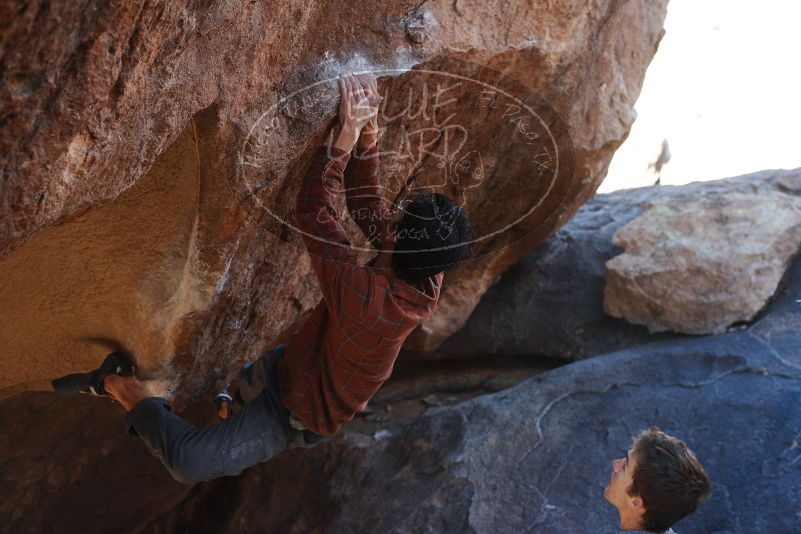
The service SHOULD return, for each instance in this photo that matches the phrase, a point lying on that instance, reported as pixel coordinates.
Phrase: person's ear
(636, 503)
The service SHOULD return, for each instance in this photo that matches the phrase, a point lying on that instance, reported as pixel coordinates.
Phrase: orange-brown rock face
(138, 208)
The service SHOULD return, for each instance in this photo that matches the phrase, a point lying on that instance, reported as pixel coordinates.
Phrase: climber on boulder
(331, 367)
(659, 482)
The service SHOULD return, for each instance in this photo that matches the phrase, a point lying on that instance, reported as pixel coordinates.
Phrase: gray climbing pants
(251, 435)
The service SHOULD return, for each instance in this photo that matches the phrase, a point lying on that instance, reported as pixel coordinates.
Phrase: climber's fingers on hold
(353, 93)
(344, 101)
(358, 101)
(349, 85)
(373, 88)
(366, 92)
(345, 87)
(367, 79)
(370, 88)
(363, 80)
(356, 88)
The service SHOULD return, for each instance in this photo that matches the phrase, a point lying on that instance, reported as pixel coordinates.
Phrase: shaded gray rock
(551, 302)
(536, 457)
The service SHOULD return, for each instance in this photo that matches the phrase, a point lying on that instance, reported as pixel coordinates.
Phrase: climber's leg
(252, 379)
(249, 436)
(254, 376)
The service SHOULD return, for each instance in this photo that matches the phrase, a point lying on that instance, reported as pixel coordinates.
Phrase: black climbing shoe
(92, 382)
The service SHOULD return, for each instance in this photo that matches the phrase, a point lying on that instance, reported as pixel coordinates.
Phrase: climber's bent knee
(250, 436)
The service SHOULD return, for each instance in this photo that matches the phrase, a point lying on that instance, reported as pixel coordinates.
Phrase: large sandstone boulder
(697, 268)
(552, 302)
(127, 217)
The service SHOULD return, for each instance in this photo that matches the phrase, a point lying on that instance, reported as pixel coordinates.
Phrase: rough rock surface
(125, 220)
(698, 267)
(69, 467)
(551, 303)
(536, 457)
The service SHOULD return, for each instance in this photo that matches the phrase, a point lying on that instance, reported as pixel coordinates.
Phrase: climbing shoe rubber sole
(92, 382)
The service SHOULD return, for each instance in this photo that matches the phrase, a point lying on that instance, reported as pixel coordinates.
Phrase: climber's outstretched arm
(315, 213)
(316, 216)
(364, 194)
(325, 238)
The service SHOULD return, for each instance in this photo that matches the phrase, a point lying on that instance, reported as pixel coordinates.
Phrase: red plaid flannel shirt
(347, 348)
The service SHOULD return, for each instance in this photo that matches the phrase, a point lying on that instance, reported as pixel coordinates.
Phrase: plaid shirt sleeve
(332, 259)
(365, 196)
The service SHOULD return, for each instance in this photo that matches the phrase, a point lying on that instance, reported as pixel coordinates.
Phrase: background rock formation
(124, 221)
(552, 302)
(698, 267)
